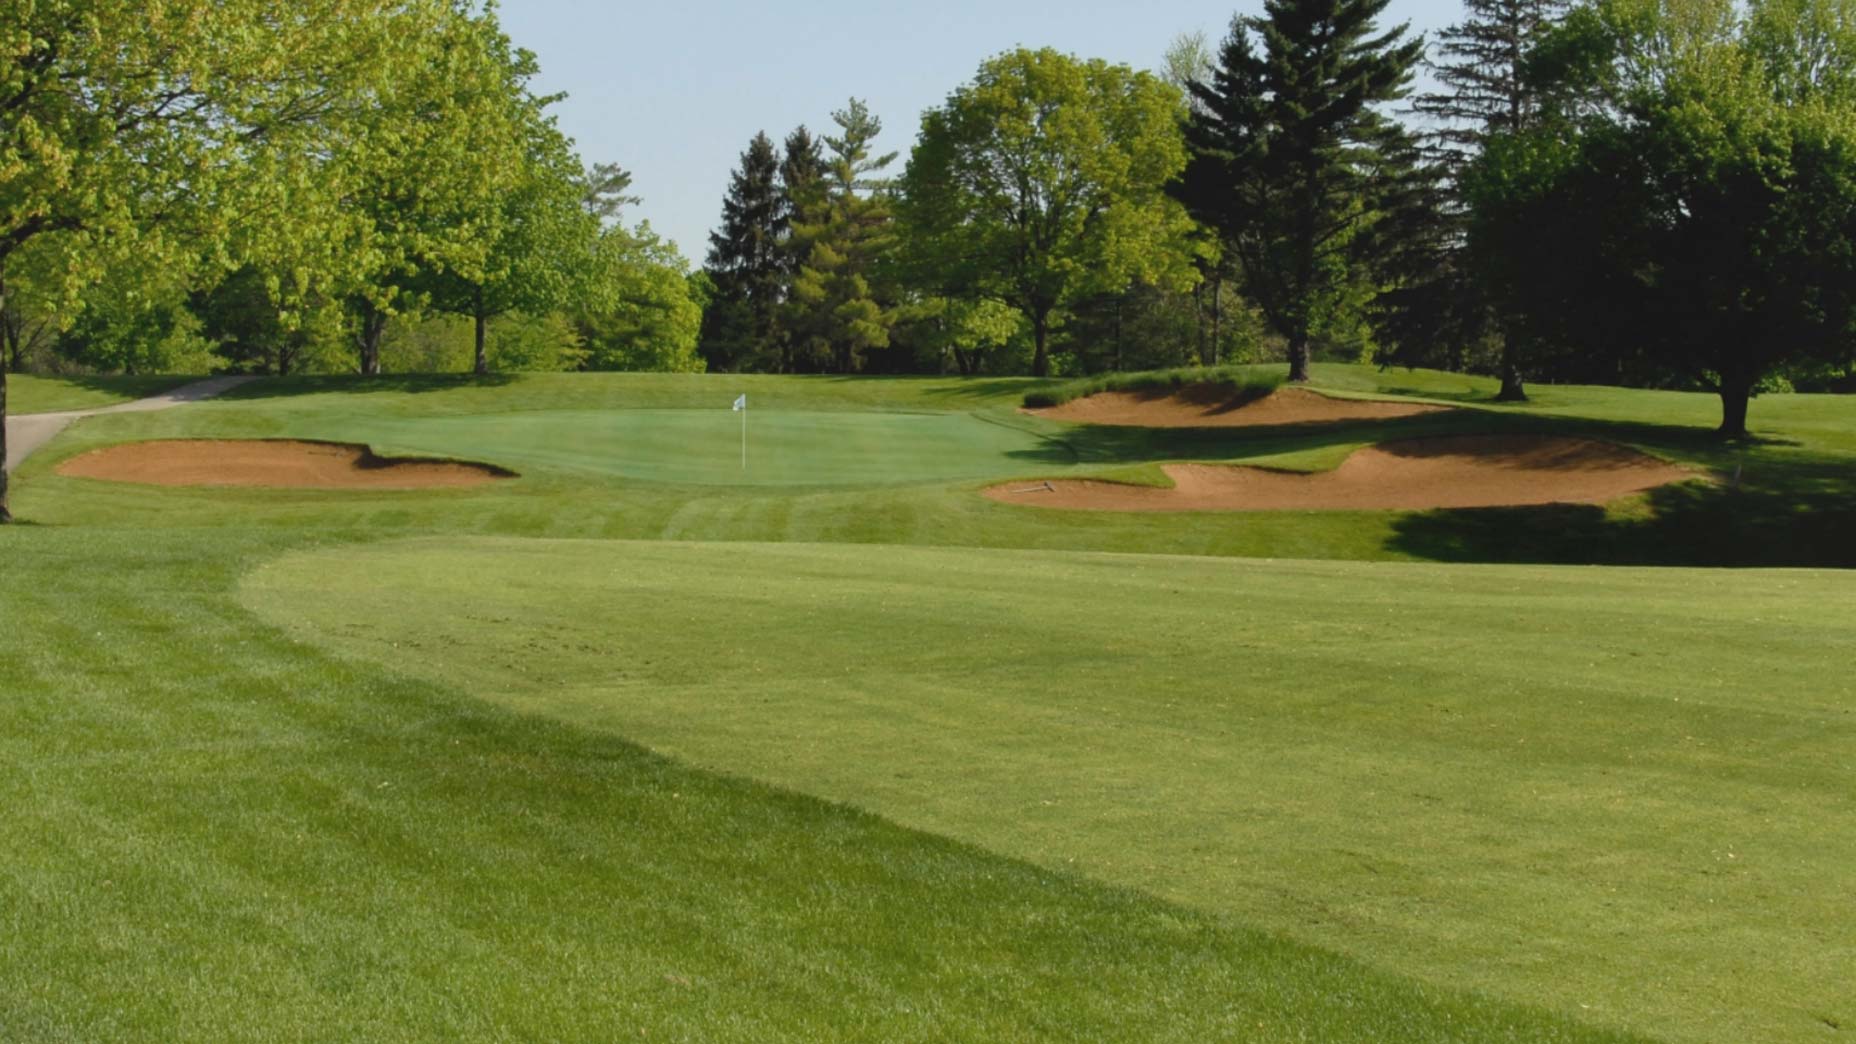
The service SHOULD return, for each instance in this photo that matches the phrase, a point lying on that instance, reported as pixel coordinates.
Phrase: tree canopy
(1692, 206)
(1287, 151)
(1044, 181)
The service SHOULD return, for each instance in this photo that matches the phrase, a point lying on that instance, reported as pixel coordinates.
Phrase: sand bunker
(275, 464)
(1462, 471)
(1213, 406)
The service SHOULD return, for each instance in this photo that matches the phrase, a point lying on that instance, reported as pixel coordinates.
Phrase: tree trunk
(1198, 320)
(5, 514)
(483, 321)
(1298, 358)
(1217, 316)
(1735, 394)
(1040, 332)
(1512, 388)
(11, 328)
(1118, 334)
(373, 326)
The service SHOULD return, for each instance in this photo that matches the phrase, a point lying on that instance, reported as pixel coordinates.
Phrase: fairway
(845, 749)
(1648, 821)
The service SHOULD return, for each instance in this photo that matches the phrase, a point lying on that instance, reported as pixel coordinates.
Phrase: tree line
(408, 204)
(1621, 191)
(1630, 191)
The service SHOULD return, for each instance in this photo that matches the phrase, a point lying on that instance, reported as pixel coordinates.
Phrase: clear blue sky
(673, 91)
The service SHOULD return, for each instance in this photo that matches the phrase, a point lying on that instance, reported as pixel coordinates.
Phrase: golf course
(623, 739)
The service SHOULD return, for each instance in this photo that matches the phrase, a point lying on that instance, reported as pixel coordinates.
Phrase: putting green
(1620, 793)
(703, 447)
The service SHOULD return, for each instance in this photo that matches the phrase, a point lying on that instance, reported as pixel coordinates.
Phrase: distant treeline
(1623, 191)
(1626, 191)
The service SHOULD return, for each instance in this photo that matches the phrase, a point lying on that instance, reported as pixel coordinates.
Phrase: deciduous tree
(141, 120)
(1042, 183)
(1696, 204)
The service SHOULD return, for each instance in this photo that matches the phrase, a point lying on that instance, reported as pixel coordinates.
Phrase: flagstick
(744, 438)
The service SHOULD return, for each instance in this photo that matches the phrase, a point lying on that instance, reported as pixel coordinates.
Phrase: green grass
(216, 831)
(1623, 793)
(921, 765)
(1242, 381)
(846, 460)
(30, 394)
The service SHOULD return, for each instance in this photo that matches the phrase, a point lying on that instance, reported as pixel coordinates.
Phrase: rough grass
(1244, 382)
(30, 394)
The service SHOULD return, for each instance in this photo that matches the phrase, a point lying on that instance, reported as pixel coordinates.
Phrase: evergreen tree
(744, 262)
(1285, 151)
(842, 226)
(802, 166)
(1480, 62)
(801, 169)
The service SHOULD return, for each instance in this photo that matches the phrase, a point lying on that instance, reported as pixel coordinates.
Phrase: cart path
(28, 432)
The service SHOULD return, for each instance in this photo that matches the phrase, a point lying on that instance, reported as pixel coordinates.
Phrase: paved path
(28, 432)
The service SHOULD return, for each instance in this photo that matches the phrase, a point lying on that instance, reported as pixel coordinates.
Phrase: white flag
(742, 403)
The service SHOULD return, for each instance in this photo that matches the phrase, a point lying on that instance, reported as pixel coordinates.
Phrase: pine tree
(1285, 151)
(745, 262)
(842, 227)
(802, 169)
(1480, 63)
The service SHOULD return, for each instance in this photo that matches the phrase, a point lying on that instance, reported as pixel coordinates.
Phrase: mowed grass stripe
(1623, 793)
(217, 832)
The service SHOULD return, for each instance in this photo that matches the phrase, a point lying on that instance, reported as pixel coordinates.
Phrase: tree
(644, 312)
(1693, 208)
(1285, 152)
(1042, 183)
(969, 334)
(28, 310)
(745, 262)
(1482, 64)
(242, 319)
(533, 216)
(134, 319)
(841, 226)
(457, 185)
(143, 122)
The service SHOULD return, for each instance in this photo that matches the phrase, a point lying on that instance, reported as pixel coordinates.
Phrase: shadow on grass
(350, 384)
(1768, 505)
(1799, 516)
(1111, 445)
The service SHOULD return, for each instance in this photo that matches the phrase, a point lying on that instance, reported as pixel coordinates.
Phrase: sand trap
(1212, 406)
(275, 464)
(1462, 471)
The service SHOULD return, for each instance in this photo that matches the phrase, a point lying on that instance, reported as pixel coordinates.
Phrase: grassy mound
(1244, 382)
